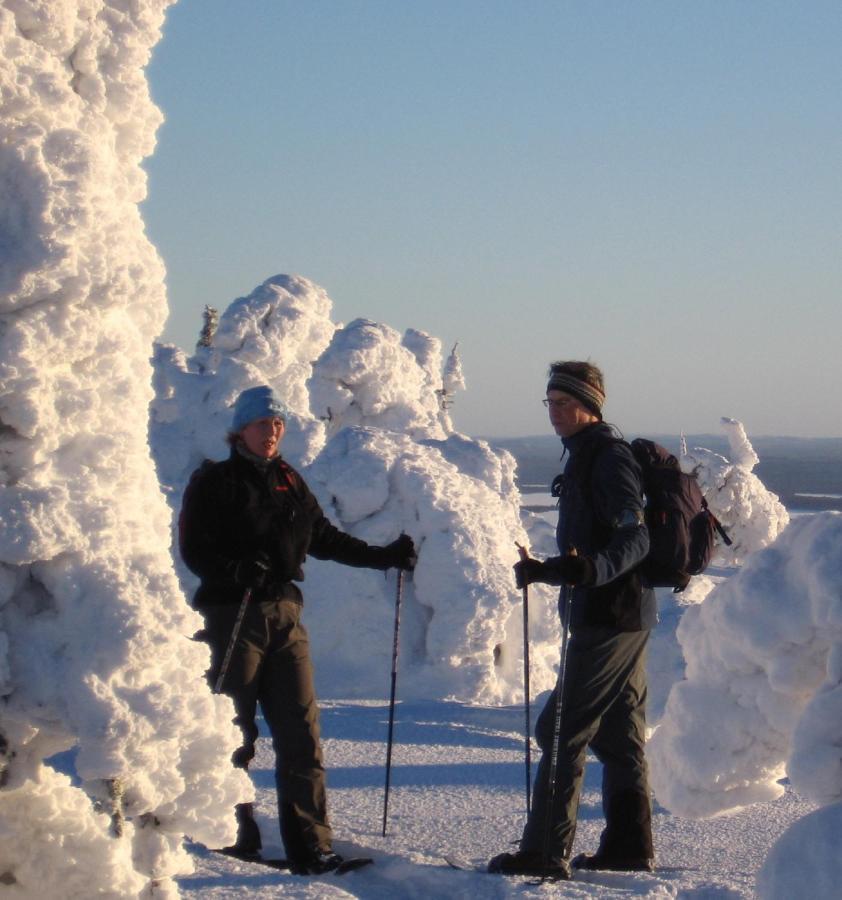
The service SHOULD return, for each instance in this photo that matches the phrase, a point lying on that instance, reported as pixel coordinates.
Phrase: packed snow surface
(458, 789)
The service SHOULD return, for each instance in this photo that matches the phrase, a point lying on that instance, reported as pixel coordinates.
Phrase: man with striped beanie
(602, 539)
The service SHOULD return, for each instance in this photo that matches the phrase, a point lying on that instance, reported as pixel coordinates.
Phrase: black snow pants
(604, 709)
(270, 665)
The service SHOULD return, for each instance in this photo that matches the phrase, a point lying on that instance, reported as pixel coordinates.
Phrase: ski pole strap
(722, 532)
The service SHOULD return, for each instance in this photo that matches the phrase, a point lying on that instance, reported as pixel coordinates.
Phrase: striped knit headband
(586, 393)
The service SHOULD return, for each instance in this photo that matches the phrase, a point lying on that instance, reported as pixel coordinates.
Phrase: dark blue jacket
(601, 516)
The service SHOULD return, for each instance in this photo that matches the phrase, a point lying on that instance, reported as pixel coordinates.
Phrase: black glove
(574, 569)
(252, 572)
(529, 570)
(400, 554)
(556, 570)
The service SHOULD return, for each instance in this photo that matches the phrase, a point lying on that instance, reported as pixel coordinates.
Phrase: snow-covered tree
(751, 514)
(762, 659)
(452, 380)
(96, 655)
(271, 336)
(372, 375)
(210, 323)
(391, 462)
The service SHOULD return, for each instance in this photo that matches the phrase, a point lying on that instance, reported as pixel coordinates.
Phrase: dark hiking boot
(527, 862)
(598, 861)
(316, 862)
(248, 843)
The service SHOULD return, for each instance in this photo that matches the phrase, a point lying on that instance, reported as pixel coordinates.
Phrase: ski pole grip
(524, 553)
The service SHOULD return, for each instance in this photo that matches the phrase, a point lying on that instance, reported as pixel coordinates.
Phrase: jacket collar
(575, 442)
(239, 451)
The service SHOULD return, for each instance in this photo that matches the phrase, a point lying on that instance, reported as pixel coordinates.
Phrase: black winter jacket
(601, 516)
(236, 509)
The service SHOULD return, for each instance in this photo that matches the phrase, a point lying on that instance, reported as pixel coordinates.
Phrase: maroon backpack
(681, 527)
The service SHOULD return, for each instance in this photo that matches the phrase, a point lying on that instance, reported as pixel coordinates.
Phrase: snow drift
(805, 861)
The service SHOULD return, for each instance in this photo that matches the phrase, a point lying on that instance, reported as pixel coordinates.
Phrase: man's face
(262, 436)
(567, 414)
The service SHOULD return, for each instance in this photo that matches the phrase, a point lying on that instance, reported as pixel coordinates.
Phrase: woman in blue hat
(247, 525)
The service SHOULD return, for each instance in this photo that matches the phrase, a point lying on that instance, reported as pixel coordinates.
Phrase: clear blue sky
(656, 186)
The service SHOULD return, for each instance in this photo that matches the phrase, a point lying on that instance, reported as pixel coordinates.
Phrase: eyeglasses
(556, 404)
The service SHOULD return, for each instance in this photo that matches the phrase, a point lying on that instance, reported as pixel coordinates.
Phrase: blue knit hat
(258, 403)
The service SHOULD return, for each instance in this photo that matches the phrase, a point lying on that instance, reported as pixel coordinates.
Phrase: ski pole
(527, 733)
(395, 644)
(559, 707)
(235, 633)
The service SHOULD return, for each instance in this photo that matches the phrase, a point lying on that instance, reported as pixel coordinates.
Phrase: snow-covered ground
(458, 788)
(458, 785)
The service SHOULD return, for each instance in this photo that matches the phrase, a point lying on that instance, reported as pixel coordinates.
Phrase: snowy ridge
(95, 650)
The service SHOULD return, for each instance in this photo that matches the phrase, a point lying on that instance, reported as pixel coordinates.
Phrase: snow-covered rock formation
(96, 653)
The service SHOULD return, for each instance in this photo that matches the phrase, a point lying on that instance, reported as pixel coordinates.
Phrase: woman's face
(262, 436)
